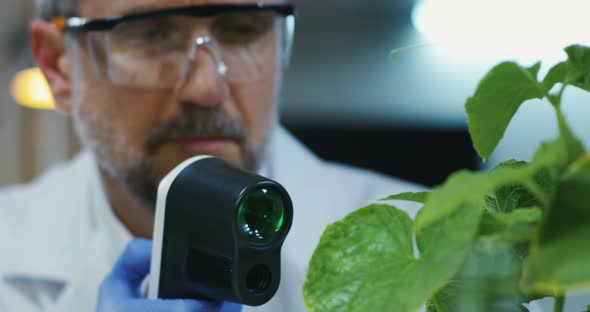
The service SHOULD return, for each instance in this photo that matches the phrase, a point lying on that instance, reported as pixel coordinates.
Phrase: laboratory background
(374, 83)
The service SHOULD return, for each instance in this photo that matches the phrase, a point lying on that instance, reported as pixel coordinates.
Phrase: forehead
(105, 8)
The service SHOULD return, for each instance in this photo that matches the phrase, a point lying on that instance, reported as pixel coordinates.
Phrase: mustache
(197, 123)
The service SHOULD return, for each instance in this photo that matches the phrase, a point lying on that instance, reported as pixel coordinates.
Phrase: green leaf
(377, 269)
(575, 71)
(559, 258)
(518, 225)
(510, 196)
(443, 247)
(557, 74)
(534, 70)
(488, 281)
(561, 266)
(489, 278)
(444, 300)
(553, 153)
(495, 102)
(365, 250)
(561, 152)
(464, 186)
(579, 66)
(473, 231)
(417, 197)
(366, 262)
(579, 59)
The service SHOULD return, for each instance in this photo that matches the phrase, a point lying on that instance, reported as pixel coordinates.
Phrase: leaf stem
(560, 94)
(555, 100)
(564, 129)
(563, 126)
(559, 303)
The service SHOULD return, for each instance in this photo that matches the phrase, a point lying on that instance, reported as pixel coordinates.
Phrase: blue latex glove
(120, 291)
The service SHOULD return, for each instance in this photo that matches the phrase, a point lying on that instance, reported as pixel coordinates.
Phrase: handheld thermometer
(218, 233)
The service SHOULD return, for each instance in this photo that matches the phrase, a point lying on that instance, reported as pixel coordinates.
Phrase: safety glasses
(156, 49)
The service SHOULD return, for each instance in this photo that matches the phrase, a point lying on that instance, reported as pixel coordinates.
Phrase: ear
(49, 50)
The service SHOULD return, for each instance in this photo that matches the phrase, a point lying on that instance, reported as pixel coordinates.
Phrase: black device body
(200, 250)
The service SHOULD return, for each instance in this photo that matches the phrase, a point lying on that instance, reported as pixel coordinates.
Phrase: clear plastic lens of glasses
(249, 44)
(147, 52)
(155, 52)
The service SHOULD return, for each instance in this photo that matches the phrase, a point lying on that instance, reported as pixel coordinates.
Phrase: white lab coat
(59, 237)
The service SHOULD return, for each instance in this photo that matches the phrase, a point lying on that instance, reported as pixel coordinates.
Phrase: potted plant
(482, 241)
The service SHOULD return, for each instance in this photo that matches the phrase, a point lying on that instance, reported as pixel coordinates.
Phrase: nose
(203, 81)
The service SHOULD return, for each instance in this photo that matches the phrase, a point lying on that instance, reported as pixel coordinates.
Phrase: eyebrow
(138, 9)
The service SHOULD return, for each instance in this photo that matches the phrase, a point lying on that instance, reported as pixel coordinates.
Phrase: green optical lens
(260, 216)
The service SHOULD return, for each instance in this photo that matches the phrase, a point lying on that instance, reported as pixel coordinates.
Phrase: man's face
(139, 133)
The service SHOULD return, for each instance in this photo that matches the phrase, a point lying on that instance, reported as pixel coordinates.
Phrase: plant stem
(559, 303)
(564, 129)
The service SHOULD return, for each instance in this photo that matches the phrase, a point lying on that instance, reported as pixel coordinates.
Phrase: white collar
(68, 209)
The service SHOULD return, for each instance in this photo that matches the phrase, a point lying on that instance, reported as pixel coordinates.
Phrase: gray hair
(49, 9)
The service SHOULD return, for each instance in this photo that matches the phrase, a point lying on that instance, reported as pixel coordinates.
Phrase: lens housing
(220, 231)
(261, 214)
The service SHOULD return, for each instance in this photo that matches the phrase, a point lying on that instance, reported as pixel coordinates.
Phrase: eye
(241, 28)
(156, 32)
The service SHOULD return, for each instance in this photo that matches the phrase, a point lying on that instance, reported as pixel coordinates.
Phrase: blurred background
(346, 97)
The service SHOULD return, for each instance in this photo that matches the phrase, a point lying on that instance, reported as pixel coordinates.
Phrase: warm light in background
(525, 30)
(30, 89)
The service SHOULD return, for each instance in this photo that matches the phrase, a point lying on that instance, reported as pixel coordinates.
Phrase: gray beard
(134, 169)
